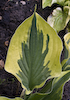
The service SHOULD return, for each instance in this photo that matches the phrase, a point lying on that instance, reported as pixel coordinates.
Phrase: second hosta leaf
(34, 53)
(58, 19)
(66, 61)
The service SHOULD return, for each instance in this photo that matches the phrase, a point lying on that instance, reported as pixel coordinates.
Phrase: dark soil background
(12, 14)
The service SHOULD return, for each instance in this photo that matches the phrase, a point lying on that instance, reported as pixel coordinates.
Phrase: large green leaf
(5, 98)
(57, 91)
(34, 53)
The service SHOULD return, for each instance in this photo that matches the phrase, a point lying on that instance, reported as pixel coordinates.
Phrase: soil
(12, 14)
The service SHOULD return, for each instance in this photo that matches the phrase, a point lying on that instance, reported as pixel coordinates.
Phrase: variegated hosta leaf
(5, 98)
(57, 91)
(58, 20)
(66, 64)
(67, 43)
(47, 86)
(66, 61)
(67, 10)
(34, 53)
(58, 84)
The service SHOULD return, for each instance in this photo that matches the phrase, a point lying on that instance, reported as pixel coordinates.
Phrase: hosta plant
(34, 58)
